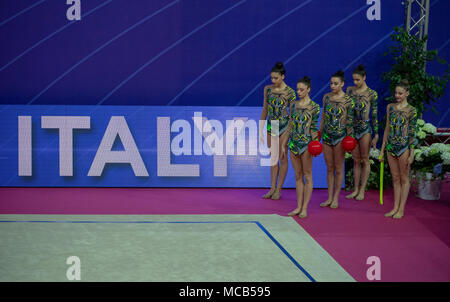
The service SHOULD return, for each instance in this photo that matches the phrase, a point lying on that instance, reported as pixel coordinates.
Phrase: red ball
(348, 143)
(315, 148)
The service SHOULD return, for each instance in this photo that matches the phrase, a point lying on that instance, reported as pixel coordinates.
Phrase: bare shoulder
(389, 107)
(324, 98)
(326, 95)
(268, 87)
(350, 89)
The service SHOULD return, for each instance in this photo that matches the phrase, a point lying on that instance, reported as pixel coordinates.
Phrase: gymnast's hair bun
(404, 83)
(305, 80)
(279, 67)
(361, 70)
(339, 74)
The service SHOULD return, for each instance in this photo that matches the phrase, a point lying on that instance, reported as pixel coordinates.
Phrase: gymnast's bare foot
(350, 196)
(303, 214)
(360, 196)
(398, 215)
(276, 195)
(269, 194)
(326, 203)
(391, 213)
(295, 212)
(334, 204)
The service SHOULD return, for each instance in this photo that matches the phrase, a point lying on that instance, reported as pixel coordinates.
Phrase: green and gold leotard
(402, 129)
(365, 103)
(303, 123)
(338, 118)
(278, 102)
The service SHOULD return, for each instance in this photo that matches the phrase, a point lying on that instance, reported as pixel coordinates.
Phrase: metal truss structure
(414, 8)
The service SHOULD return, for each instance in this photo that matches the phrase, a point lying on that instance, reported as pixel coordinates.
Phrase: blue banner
(137, 146)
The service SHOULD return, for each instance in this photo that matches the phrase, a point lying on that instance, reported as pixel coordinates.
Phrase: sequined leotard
(402, 129)
(303, 122)
(365, 102)
(278, 102)
(338, 118)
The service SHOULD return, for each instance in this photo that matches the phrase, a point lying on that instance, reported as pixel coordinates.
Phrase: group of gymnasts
(352, 113)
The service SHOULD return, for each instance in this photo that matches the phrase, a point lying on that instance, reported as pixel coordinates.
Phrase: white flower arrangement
(429, 128)
(431, 159)
(424, 129)
(421, 134)
(374, 153)
(420, 123)
(418, 154)
(446, 158)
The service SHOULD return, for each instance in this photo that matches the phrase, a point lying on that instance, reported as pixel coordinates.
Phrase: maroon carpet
(415, 248)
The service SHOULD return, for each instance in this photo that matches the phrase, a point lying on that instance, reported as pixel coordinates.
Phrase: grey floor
(196, 248)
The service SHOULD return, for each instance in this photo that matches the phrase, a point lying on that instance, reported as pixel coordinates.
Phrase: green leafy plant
(410, 59)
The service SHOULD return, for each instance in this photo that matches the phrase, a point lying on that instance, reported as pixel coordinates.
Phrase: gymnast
(302, 129)
(335, 124)
(365, 111)
(399, 141)
(277, 98)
